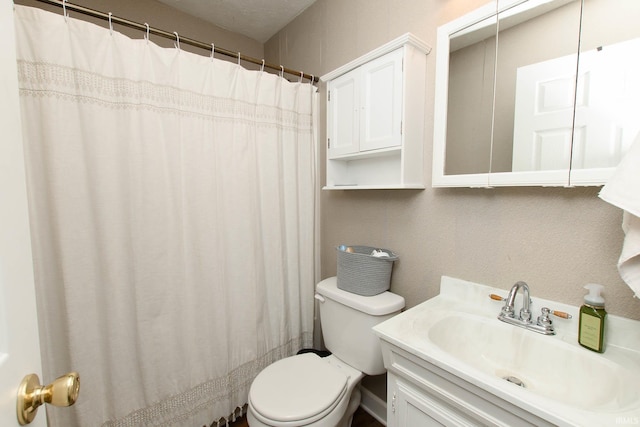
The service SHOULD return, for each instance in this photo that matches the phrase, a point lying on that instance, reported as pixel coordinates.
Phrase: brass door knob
(63, 391)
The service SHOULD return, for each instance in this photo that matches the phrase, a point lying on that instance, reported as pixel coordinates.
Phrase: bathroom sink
(458, 334)
(542, 365)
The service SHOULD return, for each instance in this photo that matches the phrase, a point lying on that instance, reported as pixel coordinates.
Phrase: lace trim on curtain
(39, 79)
(183, 406)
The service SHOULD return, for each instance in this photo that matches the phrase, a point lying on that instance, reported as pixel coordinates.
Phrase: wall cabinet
(375, 118)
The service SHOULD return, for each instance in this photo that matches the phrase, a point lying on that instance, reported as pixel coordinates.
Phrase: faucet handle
(507, 310)
(544, 319)
(496, 297)
(561, 314)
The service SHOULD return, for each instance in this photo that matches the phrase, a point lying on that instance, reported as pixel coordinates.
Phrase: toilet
(314, 391)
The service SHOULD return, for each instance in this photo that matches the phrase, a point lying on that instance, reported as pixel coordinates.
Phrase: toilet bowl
(304, 390)
(313, 391)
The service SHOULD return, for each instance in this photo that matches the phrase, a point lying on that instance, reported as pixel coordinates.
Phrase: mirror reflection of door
(535, 86)
(607, 118)
(607, 104)
(543, 115)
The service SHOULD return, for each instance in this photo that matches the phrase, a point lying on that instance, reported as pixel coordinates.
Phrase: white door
(381, 102)
(543, 117)
(19, 345)
(608, 105)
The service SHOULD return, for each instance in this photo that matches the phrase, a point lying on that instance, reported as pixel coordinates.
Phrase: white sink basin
(562, 382)
(545, 366)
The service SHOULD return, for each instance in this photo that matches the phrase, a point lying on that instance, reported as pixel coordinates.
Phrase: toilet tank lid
(376, 305)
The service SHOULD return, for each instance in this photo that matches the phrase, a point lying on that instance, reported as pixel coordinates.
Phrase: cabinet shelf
(390, 151)
(374, 187)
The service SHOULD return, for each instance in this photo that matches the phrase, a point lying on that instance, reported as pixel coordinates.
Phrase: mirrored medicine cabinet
(536, 92)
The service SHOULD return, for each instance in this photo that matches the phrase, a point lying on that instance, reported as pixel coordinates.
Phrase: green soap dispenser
(592, 319)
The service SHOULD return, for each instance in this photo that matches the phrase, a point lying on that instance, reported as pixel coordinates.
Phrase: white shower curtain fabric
(173, 213)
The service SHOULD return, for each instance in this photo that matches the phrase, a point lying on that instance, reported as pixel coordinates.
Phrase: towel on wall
(623, 191)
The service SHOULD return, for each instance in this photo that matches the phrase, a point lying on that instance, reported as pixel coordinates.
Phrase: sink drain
(514, 380)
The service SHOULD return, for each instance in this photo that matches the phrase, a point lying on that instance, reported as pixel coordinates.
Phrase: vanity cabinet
(422, 394)
(375, 118)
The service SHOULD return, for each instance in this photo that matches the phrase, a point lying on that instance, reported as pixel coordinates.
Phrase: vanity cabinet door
(411, 407)
(343, 110)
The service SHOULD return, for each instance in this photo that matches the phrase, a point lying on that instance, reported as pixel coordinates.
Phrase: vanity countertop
(566, 384)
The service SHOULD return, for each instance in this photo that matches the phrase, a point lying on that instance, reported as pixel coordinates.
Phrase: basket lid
(376, 305)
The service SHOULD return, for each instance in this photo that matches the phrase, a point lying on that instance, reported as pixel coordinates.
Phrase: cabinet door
(411, 407)
(342, 113)
(381, 102)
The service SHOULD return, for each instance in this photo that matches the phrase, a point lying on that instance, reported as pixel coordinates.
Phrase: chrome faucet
(509, 307)
(543, 324)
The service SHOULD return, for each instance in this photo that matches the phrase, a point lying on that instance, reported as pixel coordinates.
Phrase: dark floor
(360, 419)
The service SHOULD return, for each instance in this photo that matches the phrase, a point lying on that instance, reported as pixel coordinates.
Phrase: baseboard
(375, 406)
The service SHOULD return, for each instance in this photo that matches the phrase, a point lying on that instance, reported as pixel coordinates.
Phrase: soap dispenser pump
(592, 319)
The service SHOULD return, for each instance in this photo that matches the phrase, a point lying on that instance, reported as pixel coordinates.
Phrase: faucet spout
(525, 312)
(510, 301)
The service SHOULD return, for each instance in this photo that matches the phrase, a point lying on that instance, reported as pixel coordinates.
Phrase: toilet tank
(347, 319)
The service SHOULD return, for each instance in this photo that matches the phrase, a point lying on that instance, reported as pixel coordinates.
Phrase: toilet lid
(297, 388)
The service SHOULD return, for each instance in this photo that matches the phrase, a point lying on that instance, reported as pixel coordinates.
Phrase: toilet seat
(297, 390)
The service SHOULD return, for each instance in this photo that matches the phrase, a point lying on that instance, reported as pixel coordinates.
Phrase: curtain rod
(174, 36)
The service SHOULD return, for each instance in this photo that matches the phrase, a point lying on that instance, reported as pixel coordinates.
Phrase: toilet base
(354, 402)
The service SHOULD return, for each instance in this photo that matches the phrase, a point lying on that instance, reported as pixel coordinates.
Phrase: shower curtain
(173, 213)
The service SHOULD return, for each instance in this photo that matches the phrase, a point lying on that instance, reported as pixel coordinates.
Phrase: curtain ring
(313, 78)
(281, 71)
(110, 23)
(301, 76)
(262, 66)
(213, 50)
(146, 36)
(64, 10)
(238, 58)
(177, 43)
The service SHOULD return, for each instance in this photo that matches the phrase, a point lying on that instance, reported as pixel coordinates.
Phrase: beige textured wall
(163, 17)
(555, 239)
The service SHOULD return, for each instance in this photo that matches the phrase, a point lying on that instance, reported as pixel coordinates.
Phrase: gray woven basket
(363, 274)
